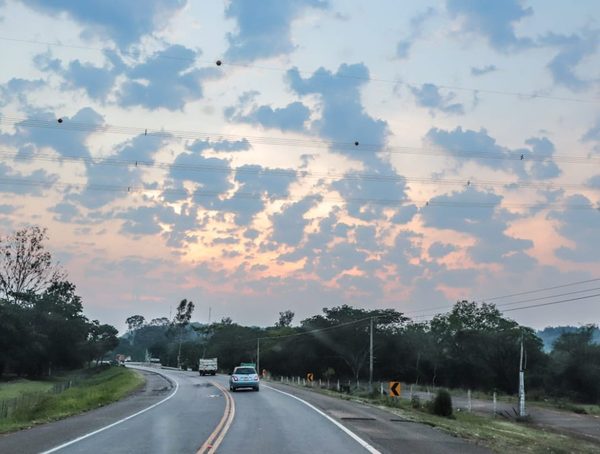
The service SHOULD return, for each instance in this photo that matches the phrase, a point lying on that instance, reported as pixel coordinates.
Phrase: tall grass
(94, 389)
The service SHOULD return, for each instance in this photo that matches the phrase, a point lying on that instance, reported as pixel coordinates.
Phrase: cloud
(416, 31)
(96, 81)
(140, 148)
(594, 182)
(72, 142)
(289, 118)
(478, 214)
(167, 79)
(369, 198)
(263, 27)
(542, 148)
(581, 226)
(124, 22)
(16, 89)
(573, 50)
(593, 135)
(437, 249)
(475, 71)
(429, 96)
(468, 144)
(289, 223)
(493, 20)
(343, 117)
(14, 182)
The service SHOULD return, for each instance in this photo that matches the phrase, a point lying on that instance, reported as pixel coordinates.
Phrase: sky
(256, 156)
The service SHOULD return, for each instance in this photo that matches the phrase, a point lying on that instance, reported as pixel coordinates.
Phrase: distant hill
(551, 333)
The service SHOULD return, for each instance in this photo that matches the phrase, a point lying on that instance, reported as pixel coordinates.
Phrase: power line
(287, 197)
(350, 147)
(551, 303)
(349, 176)
(222, 64)
(542, 289)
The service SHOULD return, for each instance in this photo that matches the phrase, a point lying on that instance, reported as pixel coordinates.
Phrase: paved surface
(387, 432)
(268, 421)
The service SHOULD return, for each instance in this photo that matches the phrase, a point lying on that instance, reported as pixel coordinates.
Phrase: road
(193, 414)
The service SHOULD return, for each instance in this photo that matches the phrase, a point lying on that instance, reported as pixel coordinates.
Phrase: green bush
(442, 404)
(415, 402)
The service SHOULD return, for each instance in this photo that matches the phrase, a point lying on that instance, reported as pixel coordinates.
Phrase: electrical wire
(570, 284)
(350, 147)
(224, 64)
(286, 197)
(349, 176)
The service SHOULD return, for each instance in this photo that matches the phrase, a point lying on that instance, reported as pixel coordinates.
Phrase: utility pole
(371, 357)
(258, 356)
(209, 314)
(522, 382)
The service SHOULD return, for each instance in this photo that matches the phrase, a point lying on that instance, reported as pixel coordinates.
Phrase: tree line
(42, 326)
(472, 346)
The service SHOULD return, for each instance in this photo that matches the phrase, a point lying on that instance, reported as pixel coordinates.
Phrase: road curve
(200, 415)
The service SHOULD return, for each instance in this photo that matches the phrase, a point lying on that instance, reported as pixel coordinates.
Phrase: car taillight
(235, 378)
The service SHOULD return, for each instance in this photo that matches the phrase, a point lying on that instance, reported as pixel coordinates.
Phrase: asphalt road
(194, 414)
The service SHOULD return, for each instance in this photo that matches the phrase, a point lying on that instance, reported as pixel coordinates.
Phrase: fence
(463, 400)
(9, 407)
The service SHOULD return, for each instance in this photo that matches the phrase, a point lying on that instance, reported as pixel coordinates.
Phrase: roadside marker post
(495, 404)
(394, 389)
(469, 400)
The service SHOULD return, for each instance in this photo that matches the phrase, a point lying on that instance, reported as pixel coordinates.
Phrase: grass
(16, 388)
(498, 434)
(95, 389)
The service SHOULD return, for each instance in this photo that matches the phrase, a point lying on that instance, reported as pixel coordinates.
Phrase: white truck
(207, 366)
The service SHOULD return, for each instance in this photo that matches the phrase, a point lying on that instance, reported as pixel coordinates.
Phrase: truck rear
(207, 366)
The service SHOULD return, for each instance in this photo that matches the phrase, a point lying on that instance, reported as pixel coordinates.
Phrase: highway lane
(178, 425)
(269, 421)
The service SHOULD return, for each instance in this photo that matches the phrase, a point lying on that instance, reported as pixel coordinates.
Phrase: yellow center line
(211, 445)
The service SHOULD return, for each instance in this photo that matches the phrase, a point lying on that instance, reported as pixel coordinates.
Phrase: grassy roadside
(500, 435)
(93, 390)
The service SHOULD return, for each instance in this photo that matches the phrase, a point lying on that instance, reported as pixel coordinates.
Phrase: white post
(495, 404)
(338, 385)
(411, 392)
(319, 383)
(381, 388)
(469, 400)
(521, 384)
(371, 357)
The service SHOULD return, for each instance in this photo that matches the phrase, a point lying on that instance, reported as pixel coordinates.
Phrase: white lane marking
(356, 438)
(102, 429)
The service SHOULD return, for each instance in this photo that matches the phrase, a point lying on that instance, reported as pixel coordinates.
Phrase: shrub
(415, 402)
(442, 404)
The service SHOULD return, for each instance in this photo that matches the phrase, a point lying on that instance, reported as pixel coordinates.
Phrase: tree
(25, 265)
(285, 319)
(182, 318)
(101, 340)
(575, 365)
(134, 323)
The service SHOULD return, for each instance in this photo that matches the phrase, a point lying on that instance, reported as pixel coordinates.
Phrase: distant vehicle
(244, 377)
(207, 366)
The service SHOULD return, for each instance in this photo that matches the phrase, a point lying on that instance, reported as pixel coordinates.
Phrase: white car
(244, 377)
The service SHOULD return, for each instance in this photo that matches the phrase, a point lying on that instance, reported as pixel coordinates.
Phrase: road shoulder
(46, 436)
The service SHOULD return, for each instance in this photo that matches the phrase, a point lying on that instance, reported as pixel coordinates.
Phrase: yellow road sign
(394, 388)
(310, 376)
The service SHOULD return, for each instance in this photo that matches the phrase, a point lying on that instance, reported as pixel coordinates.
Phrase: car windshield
(244, 371)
